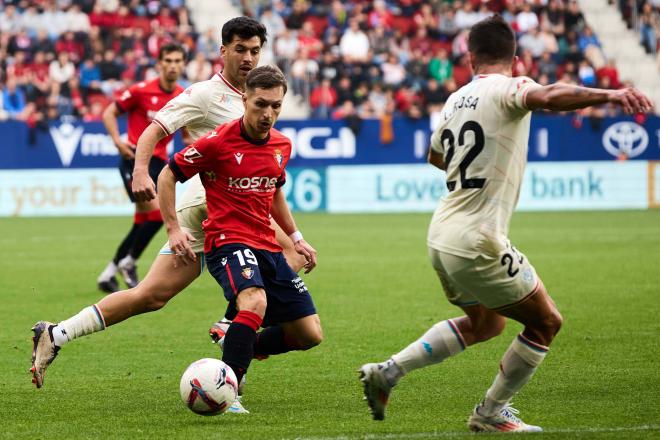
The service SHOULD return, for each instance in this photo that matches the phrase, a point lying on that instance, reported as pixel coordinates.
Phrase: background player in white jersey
(202, 107)
(482, 145)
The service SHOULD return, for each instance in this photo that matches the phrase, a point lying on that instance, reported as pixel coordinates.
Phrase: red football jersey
(240, 176)
(142, 101)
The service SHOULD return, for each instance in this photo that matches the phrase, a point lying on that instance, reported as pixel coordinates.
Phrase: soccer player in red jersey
(241, 165)
(141, 101)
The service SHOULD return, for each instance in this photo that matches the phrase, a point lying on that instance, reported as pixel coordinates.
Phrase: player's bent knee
(310, 339)
(553, 322)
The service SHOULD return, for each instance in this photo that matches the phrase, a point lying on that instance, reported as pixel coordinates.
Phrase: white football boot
(376, 389)
(44, 351)
(504, 421)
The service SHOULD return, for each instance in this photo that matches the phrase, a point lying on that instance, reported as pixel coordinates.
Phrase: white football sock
(437, 344)
(127, 261)
(89, 320)
(516, 369)
(109, 271)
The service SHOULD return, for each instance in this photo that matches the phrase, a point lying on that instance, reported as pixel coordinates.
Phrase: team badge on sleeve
(191, 154)
(278, 157)
(247, 273)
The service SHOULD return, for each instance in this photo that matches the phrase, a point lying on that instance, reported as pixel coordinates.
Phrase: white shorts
(190, 219)
(495, 281)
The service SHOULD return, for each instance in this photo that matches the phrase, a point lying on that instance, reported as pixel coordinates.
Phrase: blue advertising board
(320, 143)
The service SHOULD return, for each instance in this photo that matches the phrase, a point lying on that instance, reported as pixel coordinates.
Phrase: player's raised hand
(143, 187)
(125, 150)
(307, 251)
(631, 100)
(180, 245)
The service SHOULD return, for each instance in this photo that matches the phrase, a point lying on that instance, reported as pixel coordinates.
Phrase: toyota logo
(627, 138)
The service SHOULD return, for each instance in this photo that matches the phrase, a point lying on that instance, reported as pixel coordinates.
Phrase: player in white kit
(202, 107)
(481, 143)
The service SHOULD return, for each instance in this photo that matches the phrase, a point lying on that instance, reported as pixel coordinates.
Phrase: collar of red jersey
(251, 140)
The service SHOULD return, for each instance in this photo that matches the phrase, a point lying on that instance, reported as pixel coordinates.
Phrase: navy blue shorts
(156, 164)
(237, 267)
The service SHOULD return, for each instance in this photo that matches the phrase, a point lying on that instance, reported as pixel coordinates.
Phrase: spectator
(10, 20)
(308, 40)
(548, 67)
(527, 19)
(77, 21)
(323, 99)
(67, 43)
(440, 67)
(207, 44)
(533, 42)
(573, 18)
(90, 77)
(303, 73)
(466, 17)
(462, 73)
(13, 101)
(434, 96)
(611, 72)
(354, 44)
(199, 69)
(61, 71)
(344, 90)
(380, 16)
(586, 74)
(393, 71)
(649, 21)
(447, 28)
(425, 18)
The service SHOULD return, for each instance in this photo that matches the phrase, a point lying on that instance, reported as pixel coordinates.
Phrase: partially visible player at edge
(482, 144)
(242, 167)
(141, 101)
(202, 107)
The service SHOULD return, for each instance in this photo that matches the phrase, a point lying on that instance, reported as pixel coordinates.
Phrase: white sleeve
(514, 96)
(189, 107)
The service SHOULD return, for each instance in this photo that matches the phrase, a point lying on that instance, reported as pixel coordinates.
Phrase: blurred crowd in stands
(345, 59)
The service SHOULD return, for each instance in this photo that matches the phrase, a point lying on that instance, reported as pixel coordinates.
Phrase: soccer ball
(208, 387)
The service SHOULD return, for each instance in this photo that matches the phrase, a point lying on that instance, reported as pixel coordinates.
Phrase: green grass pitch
(375, 292)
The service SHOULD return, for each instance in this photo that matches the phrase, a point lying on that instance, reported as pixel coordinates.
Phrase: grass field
(375, 293)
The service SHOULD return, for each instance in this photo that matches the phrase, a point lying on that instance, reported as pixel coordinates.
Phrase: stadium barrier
(70, 169)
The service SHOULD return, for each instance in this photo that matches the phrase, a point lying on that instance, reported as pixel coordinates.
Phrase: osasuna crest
(191, 154)
(247, 273)
(278, 157)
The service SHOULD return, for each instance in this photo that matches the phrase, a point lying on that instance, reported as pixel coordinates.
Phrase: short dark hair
(169, 48)
(245, 28)
(265, 77)
(492, 41)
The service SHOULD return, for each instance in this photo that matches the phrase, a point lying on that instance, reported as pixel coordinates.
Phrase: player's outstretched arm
(283, 217)
(110, 115)
(566, 97)
(143, 187)
(179, 240)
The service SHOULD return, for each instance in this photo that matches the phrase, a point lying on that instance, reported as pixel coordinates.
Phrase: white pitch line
(448, 434)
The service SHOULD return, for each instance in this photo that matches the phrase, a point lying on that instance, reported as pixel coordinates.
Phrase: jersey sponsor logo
(188, 91)
(626, 139)
(247, 273)
(278, 157)
(239, 157)
(191, 154)
(252, 183)
(66, 138)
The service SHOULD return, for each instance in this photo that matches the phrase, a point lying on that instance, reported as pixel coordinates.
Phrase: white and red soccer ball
(208, 387)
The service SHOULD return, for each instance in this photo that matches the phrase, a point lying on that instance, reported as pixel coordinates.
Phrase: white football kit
(483, 134)
(200, 108)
